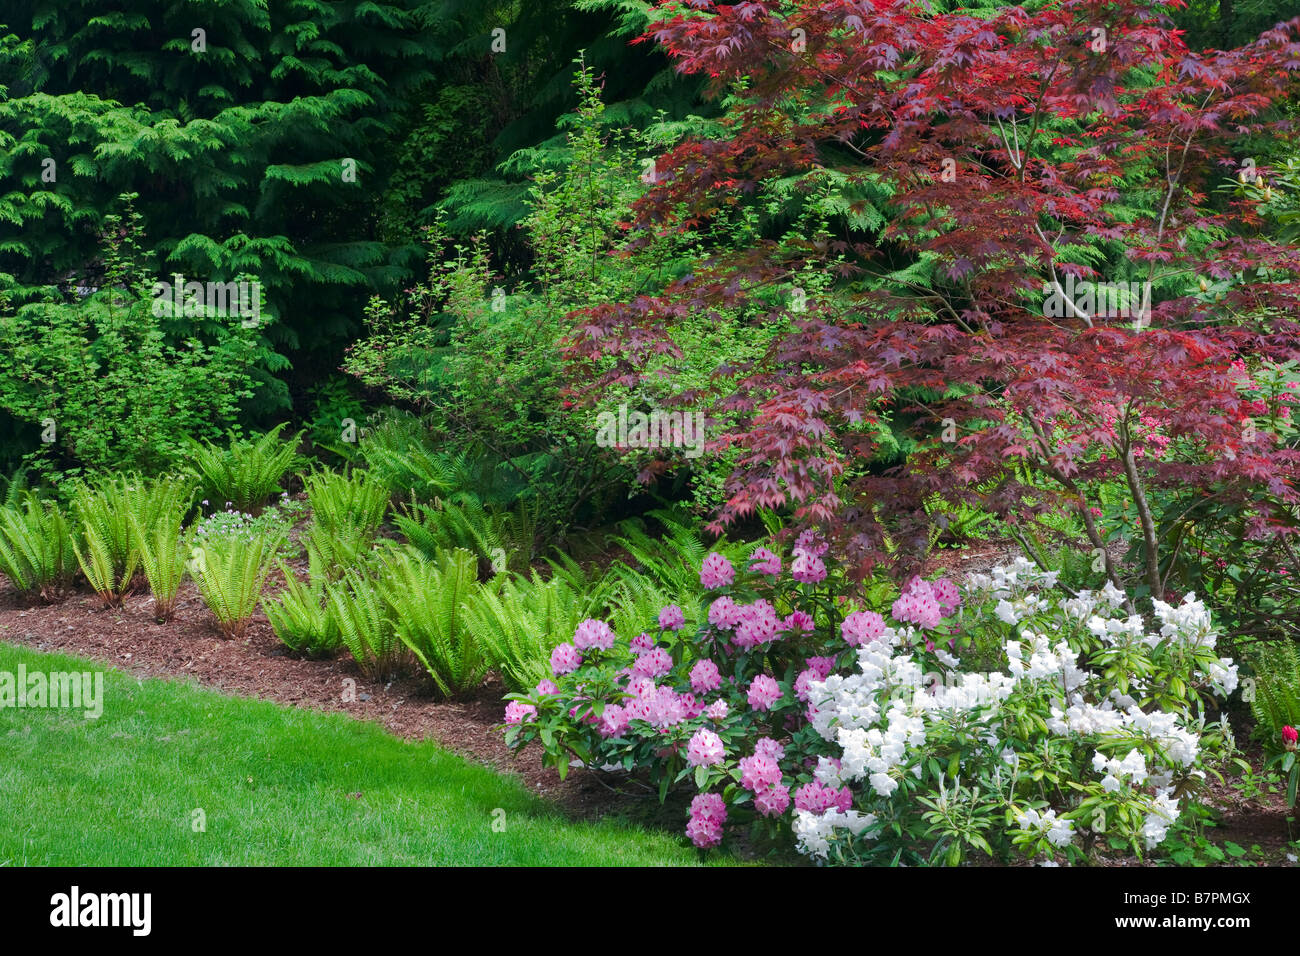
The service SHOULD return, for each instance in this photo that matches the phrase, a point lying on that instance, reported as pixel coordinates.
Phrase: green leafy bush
(104, 381)
(357, 499)
(1275, 702)
(244, 475)
(520, 623)
(300, 618)
(364, 624)
(501, 540)
(106, 544)
(427, 602)
(332, 553)
(666, 562)
(163, 548)
(231, 572)
(36, 551)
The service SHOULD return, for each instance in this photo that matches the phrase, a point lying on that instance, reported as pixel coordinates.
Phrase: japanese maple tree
(988, 165)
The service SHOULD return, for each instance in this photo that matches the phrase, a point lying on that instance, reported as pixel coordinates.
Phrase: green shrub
(105, 381)
(402, 452)
(300, 618)
(427, 601)
(358, 500)
(231, 572)
(36, 551)
(331, 553)
(365, 626)
(500, 540)
(668, 563)
(1276, 698)
(245, 474)
(162, 546)
(1276, 706)
(107, 552)
(114, 514)
(519, 625)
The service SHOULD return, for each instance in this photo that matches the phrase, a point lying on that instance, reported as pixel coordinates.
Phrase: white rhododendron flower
(907, 701)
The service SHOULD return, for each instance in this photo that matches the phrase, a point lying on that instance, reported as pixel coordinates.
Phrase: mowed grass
(274, 785)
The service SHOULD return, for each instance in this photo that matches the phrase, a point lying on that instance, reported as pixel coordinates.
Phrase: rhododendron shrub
(1091, 736)
(870, 732)
(721, 709)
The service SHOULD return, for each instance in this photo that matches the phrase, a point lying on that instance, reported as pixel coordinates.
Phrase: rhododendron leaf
(701, 776)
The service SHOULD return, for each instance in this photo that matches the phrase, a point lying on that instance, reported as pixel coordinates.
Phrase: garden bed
(1252, 818)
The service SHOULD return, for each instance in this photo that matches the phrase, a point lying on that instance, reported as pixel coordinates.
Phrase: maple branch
(1045, 466)
(1134, 482)
(1056, 282)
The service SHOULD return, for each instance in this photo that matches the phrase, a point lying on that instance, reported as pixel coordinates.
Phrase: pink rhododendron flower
(705, 677)
(822, 666)
(810, 542)
(642, 643)
(862, 627)
(546, 686)
(946, 593)
(642, 687)
(759, 772)
(807, 568)
(772, 801)
(692, 706)
(917, 605)
(1290, 735)
(797, 621)
(708, 814)
(517, 712)
(671, 618)
(805, 678)
(816, 797)
(653, 663)
(716, 572)
(613, 721)
(769, 748)
(724, 613)
(705, 749)
(758, 624)
(661, 707)
(765, 561)
(716, 711)
(593, 633)
(565, 659)
(763, 692)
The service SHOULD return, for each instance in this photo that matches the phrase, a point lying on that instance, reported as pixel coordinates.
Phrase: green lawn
(275, 786)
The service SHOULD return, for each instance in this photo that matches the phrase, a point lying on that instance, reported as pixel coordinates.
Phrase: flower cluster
(864, 734)
(904, 705)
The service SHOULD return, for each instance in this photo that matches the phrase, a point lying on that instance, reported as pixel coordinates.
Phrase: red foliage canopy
(1007, 143)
